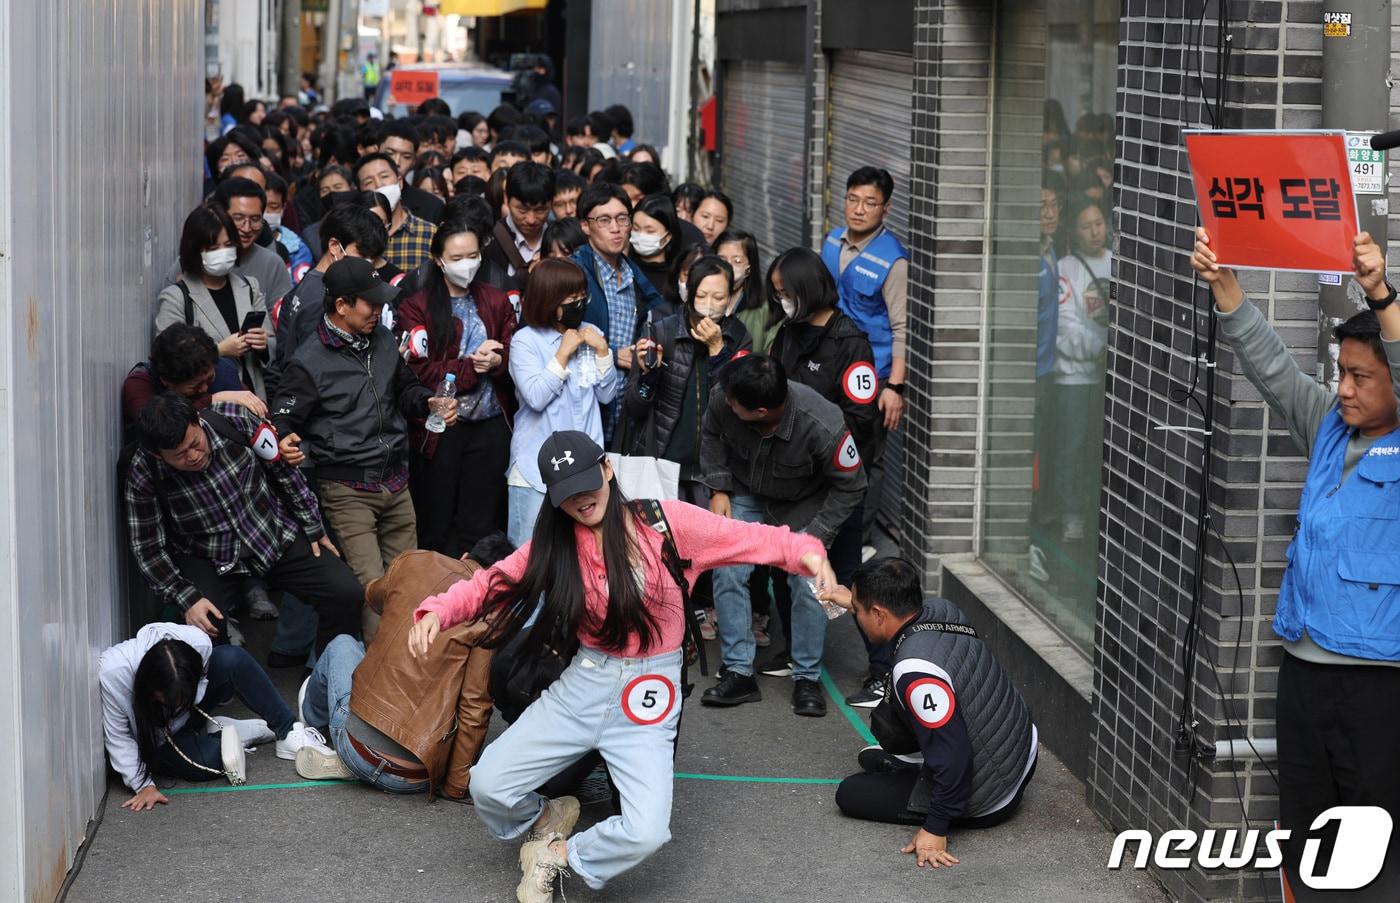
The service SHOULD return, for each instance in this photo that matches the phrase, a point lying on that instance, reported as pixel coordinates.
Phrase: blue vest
(862, 289)
(1343, 579)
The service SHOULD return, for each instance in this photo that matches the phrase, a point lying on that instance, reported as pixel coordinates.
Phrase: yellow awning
(489, 7)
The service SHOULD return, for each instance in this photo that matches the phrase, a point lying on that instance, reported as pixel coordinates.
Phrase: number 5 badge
(648, 699)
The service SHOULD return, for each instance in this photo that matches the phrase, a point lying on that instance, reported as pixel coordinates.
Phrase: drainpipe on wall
(1355, 97)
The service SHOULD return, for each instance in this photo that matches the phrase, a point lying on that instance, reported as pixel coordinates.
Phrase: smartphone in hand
(253, 320)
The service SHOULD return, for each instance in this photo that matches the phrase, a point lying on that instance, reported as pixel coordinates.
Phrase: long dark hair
(173, 669)
(442, 323)
(806, 280)
(553, 573)
(755, 295)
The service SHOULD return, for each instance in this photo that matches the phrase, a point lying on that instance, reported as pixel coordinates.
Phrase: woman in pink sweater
(607, 593)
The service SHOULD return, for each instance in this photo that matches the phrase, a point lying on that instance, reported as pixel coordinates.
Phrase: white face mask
(273, 220)
(391, 194)
(645, 244)
(461, 272)
(218, 262)
(789, 307)
(680, 288)
(740, 274)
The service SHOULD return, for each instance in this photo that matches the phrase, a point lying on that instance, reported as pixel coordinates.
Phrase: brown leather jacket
(439, 706)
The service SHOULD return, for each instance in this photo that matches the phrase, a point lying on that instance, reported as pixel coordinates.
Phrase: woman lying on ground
(153, 687)
(607, 593)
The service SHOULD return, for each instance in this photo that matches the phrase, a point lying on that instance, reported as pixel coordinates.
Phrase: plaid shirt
(411, 245)
(621, 293)
(228, 512)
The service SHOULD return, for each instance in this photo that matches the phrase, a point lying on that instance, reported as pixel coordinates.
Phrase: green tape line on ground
(296, 785)
(744, 779)
(179, 791)
(846, 710)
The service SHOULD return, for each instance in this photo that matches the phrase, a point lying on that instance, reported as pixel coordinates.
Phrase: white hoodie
(1083, 321)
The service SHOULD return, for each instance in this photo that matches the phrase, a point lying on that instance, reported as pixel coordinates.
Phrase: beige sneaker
(560, 816)
(541, 868)
(320, 763)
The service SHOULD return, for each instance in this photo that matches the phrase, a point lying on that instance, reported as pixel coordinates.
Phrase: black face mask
(572, 316)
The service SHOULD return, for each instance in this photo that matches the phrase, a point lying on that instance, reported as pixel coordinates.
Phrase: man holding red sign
(1338, 612)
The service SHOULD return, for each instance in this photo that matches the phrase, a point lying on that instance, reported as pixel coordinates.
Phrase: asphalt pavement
(754, 820)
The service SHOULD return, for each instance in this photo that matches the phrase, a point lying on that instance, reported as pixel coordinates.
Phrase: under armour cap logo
(567, 459)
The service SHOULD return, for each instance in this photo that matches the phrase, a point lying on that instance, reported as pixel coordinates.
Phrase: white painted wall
(101, 122)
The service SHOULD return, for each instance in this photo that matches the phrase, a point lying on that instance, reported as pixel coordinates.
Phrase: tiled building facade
(1098, 649)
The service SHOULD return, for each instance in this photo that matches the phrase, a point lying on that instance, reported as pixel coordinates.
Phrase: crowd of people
(385, 378)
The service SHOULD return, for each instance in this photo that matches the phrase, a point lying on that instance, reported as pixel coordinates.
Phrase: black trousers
(459, 494)
(326, 583)
(884, 797)
(1338, 745)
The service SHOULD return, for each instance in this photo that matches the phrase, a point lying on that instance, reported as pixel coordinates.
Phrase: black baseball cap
(570, 463)
(356, 277)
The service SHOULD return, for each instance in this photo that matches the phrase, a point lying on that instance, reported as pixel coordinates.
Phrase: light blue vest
(1343, 579)
(862, 289)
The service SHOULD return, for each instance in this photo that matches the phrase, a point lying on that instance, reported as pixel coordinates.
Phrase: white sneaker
(250, 731)
(560, 816)
(301, 735)
(316, 763)
(541, 868)
(1037, 567)
(301, 700)
(234, 759)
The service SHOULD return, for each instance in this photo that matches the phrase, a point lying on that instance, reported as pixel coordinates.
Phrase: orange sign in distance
(413, 87)
(1275, 200)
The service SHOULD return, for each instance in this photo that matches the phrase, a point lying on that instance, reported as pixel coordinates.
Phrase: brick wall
(948, 216)
(1151, 477)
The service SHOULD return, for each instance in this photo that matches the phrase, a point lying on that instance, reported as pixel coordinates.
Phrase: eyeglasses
(243, 219)
(622, 221)
(861, 203)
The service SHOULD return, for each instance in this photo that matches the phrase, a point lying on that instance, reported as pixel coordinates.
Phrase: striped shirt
(229, 512)
(621, 293)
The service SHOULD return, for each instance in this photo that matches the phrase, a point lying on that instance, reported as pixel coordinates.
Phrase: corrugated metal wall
(761, 161)
(872, 117)
(101, 118)
(630, 63)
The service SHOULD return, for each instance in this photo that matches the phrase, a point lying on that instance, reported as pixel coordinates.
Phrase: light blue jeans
(327, 705)
(734, 611)
(621, 707)
(525, 505)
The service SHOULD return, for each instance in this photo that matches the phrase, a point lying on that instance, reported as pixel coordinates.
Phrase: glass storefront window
(1047, 302)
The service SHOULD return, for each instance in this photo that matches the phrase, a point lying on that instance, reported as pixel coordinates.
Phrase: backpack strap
(189, 301)
(650, 511)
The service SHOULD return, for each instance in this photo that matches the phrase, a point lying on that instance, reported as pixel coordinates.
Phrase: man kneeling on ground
(957, 744)
(399, 723)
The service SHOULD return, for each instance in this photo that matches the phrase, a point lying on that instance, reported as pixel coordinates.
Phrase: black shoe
(732, 689)
(277, 659)
(779, 664)
(807, 698)
(871, 692)
(877, 760)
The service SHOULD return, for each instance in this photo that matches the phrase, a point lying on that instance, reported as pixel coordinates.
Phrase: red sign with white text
(1275, 200)
(413, 87)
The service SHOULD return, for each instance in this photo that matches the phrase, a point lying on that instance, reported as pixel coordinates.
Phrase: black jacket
(836, 360)
(499, 256)
(653, 402)
(423, 204)
(350, 407)
(808, 473)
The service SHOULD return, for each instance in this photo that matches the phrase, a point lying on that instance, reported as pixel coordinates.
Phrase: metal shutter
(762, 162)
(871, 124)
(872, 118)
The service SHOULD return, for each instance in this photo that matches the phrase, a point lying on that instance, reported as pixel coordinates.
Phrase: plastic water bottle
(446, 389)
